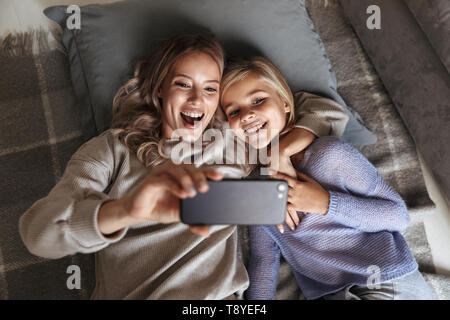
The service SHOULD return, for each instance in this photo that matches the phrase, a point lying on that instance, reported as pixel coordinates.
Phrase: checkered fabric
(40, 130)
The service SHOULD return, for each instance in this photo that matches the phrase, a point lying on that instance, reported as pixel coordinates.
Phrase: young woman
(348, 244)
(119, 194)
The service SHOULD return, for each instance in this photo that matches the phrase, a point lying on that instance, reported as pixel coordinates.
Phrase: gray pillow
(113, 37)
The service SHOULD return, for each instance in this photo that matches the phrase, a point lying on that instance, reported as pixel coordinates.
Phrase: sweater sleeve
(368, 203)
(65, 221)
(321, 116)
(264, 265)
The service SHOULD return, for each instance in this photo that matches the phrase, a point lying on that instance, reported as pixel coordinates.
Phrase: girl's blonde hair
(268, 72)
(136, 105)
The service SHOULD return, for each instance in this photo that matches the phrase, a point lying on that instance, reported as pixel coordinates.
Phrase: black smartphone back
(237, 202)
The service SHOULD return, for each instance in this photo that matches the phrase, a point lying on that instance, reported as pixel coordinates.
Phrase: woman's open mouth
(192, 120)
(254, 129)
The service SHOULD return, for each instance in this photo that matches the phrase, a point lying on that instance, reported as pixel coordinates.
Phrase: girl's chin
(259, 145)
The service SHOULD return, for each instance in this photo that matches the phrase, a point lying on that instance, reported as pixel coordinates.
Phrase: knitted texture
(357, 242)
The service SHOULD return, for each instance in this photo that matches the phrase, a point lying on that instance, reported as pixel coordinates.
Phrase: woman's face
(190, 96)
(255, 111)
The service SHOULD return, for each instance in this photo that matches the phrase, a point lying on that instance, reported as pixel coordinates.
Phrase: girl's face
(255, 111)
(190, 96)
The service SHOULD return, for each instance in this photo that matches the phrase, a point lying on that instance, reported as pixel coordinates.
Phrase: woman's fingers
(213, 175)
(180, 174)
(168, 183)
(200, 230)
(191, 178)
(199, 179)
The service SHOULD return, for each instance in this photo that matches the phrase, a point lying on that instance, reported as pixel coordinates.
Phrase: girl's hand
(157, 197)
(305, 195)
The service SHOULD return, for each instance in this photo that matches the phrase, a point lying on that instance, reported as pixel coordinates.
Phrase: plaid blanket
(40, 129)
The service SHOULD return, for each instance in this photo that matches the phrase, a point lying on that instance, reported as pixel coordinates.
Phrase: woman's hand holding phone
(156, 198)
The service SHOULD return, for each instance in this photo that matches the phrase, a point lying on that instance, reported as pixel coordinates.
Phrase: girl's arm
(368, 202)
(263, 265)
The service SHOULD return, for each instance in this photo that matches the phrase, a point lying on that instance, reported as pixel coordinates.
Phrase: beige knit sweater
(149, 260)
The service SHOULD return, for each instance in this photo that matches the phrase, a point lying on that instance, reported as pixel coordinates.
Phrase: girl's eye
(233, 113)
(258, 101)
(181, 84)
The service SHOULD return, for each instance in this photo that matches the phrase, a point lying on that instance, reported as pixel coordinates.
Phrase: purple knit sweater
(359, 235)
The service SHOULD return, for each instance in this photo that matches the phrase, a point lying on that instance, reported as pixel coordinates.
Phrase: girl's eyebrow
(186, 76)
(255, 92)
(248, 95)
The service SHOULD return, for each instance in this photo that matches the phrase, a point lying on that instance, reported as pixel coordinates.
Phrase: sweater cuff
(315, 124)
(332, 207)
(83, 223)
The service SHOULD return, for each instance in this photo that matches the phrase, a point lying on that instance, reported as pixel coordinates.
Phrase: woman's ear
(286, 108)
(159, 92)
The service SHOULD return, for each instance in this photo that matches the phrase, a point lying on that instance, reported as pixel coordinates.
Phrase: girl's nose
(247, 115)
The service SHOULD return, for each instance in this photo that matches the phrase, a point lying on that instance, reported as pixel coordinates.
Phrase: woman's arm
(263, 266)
(319, 115)
(77, 216)
(65, 221)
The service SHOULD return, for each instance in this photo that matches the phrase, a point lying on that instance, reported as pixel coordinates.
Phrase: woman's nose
(195, 97)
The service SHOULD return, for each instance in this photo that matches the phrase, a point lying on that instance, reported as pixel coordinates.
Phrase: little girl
(348, 244)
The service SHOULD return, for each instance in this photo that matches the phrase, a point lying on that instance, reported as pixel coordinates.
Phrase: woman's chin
(190, 137)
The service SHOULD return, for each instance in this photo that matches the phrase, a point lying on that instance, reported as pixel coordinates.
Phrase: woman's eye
(258, 101)
(181, 84)
(211, 89)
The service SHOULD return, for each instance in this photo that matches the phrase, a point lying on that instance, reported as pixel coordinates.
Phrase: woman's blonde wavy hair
(136, 106)
(239, 69)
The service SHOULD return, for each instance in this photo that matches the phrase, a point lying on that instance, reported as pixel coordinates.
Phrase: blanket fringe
(32, 42)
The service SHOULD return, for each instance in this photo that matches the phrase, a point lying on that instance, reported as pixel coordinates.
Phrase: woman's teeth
(192, 114)
(191, 118)
(255, 128)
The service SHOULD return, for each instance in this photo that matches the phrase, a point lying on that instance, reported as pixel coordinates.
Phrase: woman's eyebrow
(186, 76)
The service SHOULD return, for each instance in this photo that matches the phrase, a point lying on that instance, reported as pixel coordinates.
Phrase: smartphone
(237, 202)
